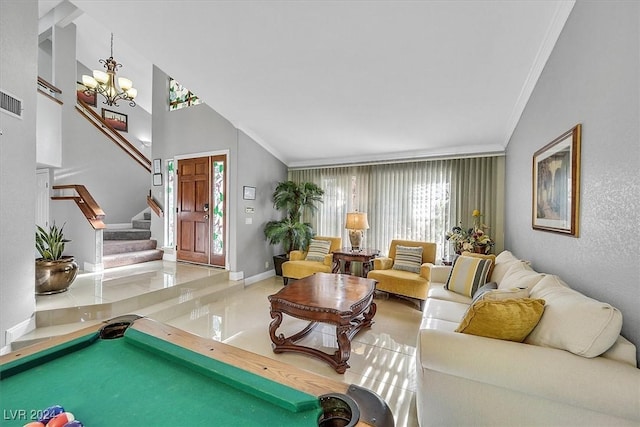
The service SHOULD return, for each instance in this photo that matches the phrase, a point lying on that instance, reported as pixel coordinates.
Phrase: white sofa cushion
(573, 321)
(520, 275)
(444, 310)
(504, 260)
(437, 291)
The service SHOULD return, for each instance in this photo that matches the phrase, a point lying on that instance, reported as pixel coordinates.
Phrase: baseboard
(169, 255)
(93, 267)
(19, 330)
(258, 277)
(236, 275)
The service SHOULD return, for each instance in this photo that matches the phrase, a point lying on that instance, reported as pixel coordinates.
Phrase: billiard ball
(61, 419)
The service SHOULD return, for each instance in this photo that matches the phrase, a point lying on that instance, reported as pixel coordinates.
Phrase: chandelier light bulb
(125, 84)
(89, 82)
(100, 76)
(132, 93)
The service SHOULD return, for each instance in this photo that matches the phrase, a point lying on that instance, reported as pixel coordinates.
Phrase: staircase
(131, 245)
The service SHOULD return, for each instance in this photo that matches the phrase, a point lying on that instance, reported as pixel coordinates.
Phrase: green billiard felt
(143, 380)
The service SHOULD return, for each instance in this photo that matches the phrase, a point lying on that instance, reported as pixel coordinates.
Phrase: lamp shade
(356, 221)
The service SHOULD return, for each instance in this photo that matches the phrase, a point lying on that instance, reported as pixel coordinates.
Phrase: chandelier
(105, 83)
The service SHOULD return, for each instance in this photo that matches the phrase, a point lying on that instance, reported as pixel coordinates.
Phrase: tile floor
(382, 357)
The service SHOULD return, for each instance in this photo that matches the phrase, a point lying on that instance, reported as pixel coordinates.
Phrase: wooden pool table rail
(274, 370)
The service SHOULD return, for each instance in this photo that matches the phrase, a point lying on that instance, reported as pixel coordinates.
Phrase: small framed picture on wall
(249, 193)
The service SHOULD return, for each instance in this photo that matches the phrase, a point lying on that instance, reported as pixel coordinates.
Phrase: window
(180, 96)
(414, 200)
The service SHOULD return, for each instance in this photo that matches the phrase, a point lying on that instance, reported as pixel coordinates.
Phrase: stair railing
(110, 132)
(49, 90)
(87, 204)
(155, 207)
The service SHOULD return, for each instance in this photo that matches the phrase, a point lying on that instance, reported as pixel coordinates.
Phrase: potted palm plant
(54, 271)
(294, 199)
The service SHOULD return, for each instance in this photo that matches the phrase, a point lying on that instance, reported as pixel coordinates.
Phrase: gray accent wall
(593, 78)
(257, 168)
(18, 74)
(200, 130)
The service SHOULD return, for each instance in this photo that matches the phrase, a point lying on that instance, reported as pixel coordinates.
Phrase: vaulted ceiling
(331, 82)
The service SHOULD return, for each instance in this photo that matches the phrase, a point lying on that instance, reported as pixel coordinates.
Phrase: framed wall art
(117, 120)
(83, 93)
(249, 193)
(556, 184)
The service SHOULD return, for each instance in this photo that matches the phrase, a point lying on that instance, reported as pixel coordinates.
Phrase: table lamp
(356, 224)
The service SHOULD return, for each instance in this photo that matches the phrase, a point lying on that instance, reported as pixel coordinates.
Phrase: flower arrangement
(472, 239)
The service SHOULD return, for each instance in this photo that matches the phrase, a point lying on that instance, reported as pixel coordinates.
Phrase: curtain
(414, 201)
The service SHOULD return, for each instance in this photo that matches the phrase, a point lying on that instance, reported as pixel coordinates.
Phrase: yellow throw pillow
(511, 319)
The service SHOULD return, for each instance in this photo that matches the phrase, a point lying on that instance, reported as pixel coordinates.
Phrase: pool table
(135, 371)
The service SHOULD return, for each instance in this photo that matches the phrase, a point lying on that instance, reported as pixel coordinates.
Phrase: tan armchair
(401, 282)
(297, 267)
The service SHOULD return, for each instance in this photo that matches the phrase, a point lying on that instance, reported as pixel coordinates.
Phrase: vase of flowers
(472, 239)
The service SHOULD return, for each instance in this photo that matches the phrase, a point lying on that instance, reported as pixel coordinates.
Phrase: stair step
(128, 258)
(112, 247)
(143, 224)
(126, 234)
(143, 304)
(147, 215)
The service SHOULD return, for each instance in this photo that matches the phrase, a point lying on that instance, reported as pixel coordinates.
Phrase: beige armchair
(299, 267)
(401, 282)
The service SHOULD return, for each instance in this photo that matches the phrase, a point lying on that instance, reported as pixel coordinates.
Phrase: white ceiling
(330, 82)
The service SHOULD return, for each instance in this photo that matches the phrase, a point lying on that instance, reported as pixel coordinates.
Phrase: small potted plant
(54, 271)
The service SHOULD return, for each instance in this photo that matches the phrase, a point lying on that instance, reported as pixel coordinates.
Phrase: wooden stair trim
(96, 120)
(87, 204)
(155, 207)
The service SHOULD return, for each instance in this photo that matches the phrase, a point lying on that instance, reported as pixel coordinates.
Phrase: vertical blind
(413, 201)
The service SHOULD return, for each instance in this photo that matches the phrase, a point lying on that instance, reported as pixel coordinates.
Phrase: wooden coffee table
(343, 300)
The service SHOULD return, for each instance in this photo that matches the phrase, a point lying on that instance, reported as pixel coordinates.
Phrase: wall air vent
(10, 104)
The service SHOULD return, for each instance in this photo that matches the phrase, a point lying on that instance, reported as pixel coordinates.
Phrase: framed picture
(556, 184)
(117, 120)
(249, 193)
(83, 93)
(157, 166)
(157, 179)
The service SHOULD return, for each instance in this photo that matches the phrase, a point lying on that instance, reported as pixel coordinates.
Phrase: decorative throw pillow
(317, 250)
(502, 294)
(487, 287)
(520, 275)
(468, 274)
(492, 257)
(574, 322)
(511, 319)
(408, 258)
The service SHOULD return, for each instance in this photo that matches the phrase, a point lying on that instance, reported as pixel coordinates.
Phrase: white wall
(18, 76)
(593, 78)
(118, 184)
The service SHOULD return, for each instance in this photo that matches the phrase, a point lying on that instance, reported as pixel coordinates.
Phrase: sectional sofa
(573, 368)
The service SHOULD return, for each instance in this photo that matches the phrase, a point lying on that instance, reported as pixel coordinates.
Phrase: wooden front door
(201, 210)
(193, 210)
